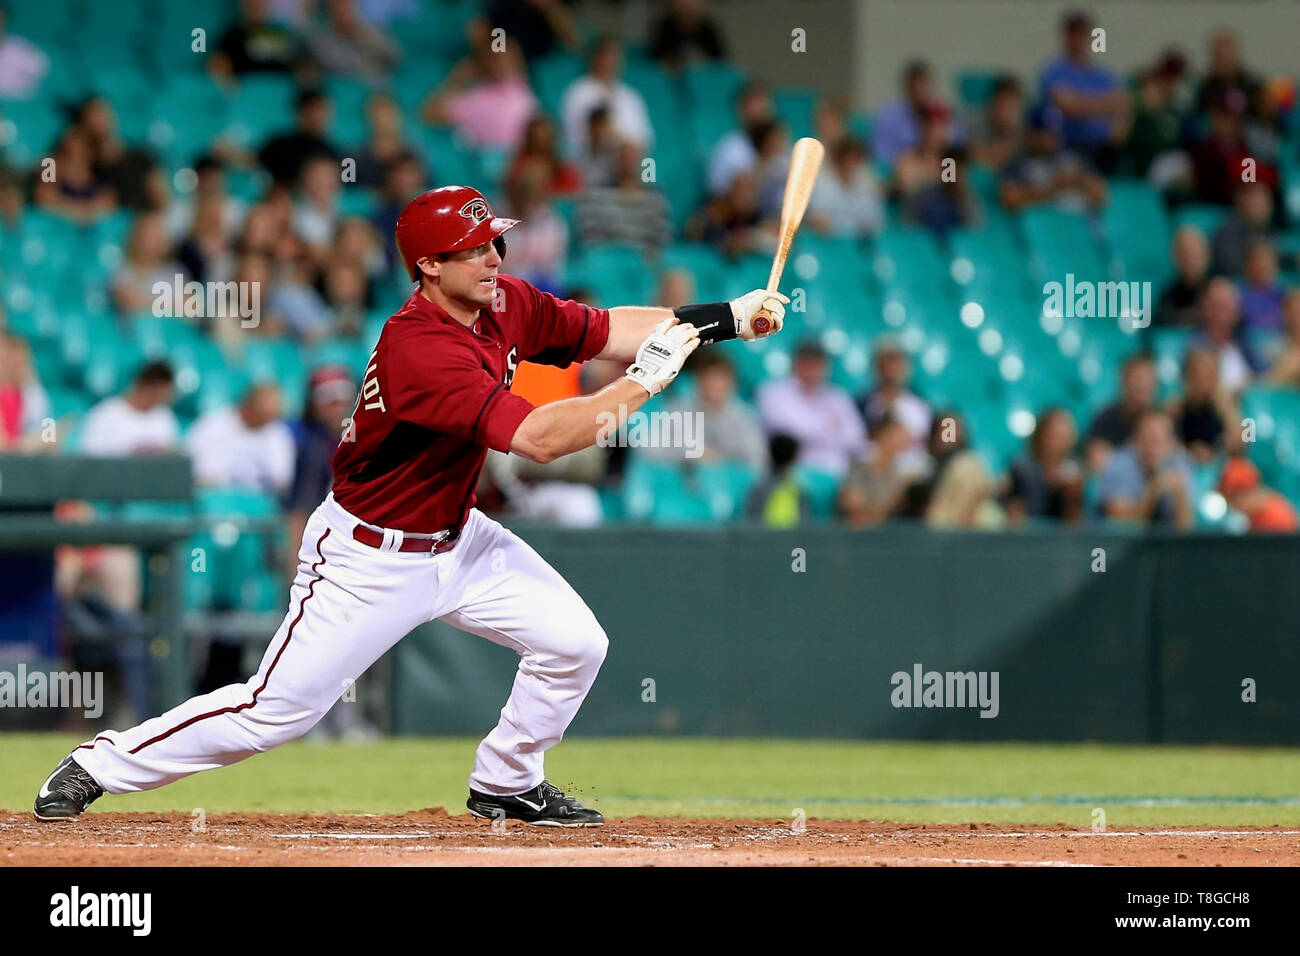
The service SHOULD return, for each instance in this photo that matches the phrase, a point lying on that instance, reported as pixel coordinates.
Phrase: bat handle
(762, 322)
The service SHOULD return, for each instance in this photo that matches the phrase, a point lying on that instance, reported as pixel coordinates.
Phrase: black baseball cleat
(66, 792)
(544, 806)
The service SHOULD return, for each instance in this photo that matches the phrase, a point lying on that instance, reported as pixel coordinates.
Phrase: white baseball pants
(349, 604)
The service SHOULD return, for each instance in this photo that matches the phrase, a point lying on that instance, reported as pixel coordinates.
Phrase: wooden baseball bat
(805, 163)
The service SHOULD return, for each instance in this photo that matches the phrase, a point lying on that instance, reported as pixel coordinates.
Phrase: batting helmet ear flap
(499, 242)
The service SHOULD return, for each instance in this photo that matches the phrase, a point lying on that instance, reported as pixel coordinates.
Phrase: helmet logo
(476, 210)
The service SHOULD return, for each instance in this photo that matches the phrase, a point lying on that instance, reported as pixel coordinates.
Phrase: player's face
(470, 276)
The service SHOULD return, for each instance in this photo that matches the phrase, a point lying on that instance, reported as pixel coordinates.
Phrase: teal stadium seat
(615, 273)
(1276, 448)
(821, 489)
(1137, 229)
(1061, 242)
(658, 492)
(1203, 216)
(725, 486)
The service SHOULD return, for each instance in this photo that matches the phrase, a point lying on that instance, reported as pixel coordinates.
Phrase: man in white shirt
(137, 422)
(847, 200)
(821, 416)
(734, 153)
(248, 446)
(601, 86)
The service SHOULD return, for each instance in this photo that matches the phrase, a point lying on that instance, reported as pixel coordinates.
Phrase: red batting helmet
(447, 219)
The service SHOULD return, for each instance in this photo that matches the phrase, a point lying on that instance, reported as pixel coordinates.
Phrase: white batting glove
(660, 356)
(746, 307)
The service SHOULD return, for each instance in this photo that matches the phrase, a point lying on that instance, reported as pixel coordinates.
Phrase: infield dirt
(433, 837)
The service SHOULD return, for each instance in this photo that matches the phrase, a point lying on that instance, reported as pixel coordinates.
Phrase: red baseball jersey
(436, 396)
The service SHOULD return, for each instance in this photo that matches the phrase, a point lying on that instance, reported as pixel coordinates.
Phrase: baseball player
(398, 541)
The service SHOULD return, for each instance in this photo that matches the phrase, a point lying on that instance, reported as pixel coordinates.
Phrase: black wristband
(713, 319)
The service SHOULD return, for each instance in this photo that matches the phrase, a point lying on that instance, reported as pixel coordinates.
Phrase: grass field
(940, 783)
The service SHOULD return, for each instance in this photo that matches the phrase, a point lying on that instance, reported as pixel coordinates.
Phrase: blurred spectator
(1090, 98)
(676, 289)
(404, 181)
(1202, 414)
(1047, 480)
(684, 33)
(820, 416)
(1179, 301)
(538, 26)
(385, 143)
(772, 142)
(1266, 510)
(1046, 172)
(874, 487)
(355, 242)
(891, 394)
(540, 148)
(1286, 367)
(1113, 425)
(24, 404)
(931, 195)
(628, 212)
(316, 212)
(1260, 291)
(1226, 79)
(147, 262)
(209, 183)
(486, 97)
(76, 192)
(316, 435)
(733, 222)
(247, 446)
(596, 166)
(206, 254)
(539, 245)
(847, 200)
(345, 294)
(947, 440)
(897, 125)
(734, 153)
(601, 85)
(255, 44)
(253, 271)
(137, 422)
(1000, 132)
(1251, 219)
(964, 496)
(131, 172)
(730, 430)
(1149, 480)
(1218, 157)
(778, 501)
(1221, 331)
(831, 122)
(285, 154)
(295, 300)
(23, 65)
(1153, 149)
(346, 44)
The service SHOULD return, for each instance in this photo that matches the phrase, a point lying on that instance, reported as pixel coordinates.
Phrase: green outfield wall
(739, 642)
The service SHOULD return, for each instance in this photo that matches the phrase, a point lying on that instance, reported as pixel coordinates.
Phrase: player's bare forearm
(572, 424)
(628, 327)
